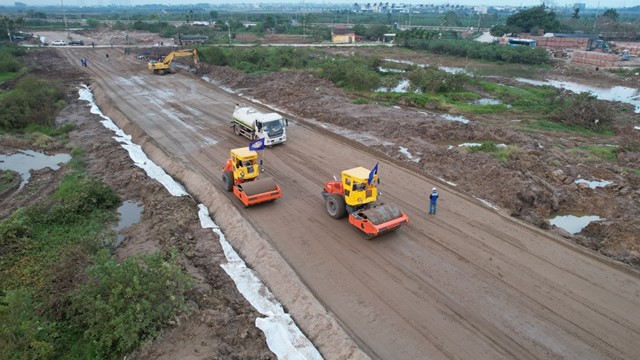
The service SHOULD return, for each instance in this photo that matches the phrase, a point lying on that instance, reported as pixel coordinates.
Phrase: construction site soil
(532, 187)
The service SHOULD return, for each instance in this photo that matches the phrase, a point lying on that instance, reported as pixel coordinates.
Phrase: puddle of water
(448, 69)
(454, 70)
(617, 93)
(487, 101)
(573, 223)
(404, 151)
(594, 183)
(461, 143)
(130, 213)
(458, 118)
(402, 87)
(389, 70)
(27, 160)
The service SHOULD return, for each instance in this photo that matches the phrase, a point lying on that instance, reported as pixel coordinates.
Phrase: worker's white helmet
(434, 189)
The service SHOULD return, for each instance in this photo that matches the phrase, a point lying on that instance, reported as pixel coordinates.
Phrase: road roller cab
(356, 194)
(240, 175)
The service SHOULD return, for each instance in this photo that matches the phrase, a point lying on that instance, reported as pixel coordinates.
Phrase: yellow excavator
(164, 66)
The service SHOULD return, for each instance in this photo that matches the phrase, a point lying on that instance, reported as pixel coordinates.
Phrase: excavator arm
(181, 53)
(164, 66)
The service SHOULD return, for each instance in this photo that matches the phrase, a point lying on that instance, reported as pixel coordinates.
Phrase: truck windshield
(273, 126)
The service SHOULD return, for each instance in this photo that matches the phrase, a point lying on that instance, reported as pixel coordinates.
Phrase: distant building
(19, 4)
(343, 35)
(481, 9)
(580, 6)
(249, 24)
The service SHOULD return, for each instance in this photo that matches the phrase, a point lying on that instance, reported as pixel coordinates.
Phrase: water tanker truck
(356, 195)
(253, 124)
(240, 175)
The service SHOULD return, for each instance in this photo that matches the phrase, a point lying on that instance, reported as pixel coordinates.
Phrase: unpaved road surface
(467, 283)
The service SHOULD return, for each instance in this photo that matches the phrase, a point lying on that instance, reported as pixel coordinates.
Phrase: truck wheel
(336, 206)
(227, 180)
(236, 129)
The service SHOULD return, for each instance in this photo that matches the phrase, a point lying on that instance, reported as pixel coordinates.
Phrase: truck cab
(253, 124)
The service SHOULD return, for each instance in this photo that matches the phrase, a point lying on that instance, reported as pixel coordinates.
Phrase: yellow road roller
(240, 175)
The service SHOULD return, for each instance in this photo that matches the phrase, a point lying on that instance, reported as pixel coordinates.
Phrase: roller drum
(381, 214)
(259, 186)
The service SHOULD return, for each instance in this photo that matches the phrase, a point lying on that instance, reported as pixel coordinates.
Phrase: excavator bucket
(378, 219)
(257, 191)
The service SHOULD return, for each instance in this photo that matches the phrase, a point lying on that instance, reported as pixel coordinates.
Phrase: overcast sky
(560, 3)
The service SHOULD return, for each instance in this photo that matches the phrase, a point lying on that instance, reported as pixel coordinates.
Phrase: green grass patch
(510, 70)
(479, 109)
(37, 235)
(546, 125)
(501, 153)
(360, 101)
(6, 179)
(8, 76)
(633, 171)
(63, 295)
(124, 303)
(49, 130)
(595, 153)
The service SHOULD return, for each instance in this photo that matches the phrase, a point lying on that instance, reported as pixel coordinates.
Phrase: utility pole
(6, 22)
(64, 16)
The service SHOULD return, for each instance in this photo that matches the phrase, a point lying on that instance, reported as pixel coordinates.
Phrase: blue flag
(373, 172)
(257, 144)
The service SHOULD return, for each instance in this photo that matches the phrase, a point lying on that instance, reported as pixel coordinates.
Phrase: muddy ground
(534, 186)
(537, 184)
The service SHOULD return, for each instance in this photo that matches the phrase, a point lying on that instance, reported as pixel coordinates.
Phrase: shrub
(213, 55)
(31, 101)
(126, 303)
(361, 78)
(432, 80)
(9, 64)
(476, 50)
(76, 197)
(258, 59)
(355, 72)
(24, 334)
(14, 237)
(586, 111)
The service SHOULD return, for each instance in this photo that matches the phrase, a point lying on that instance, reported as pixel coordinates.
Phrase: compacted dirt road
(467, 283)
